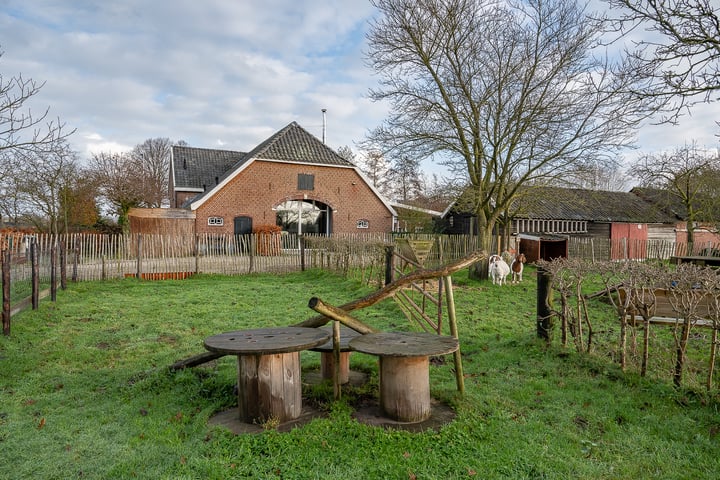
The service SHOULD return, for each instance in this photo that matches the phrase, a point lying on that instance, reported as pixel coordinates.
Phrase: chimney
(324, 111)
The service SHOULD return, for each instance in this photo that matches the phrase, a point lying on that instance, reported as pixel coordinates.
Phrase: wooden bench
(405, 370)
(700, 260)
(664, 314)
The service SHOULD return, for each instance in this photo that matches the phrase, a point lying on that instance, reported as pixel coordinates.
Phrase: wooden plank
(638, 320)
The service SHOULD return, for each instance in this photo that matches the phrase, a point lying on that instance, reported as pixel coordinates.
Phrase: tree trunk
(681, 348)
(713, 352)
(646, 346)
(544, 307)
(479, 269)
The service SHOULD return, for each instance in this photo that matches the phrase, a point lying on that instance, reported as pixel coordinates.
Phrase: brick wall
(264, 185)
(704, 234)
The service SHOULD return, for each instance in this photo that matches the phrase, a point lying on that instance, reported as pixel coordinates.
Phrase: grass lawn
(85, 393)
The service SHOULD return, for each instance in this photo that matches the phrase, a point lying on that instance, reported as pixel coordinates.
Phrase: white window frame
(363, 223)
(216, 221)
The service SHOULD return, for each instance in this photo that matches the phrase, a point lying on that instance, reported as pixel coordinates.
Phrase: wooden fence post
(35, 277)
(197, 253)
(459, 375)
(253, 246)
(6, 258)
(53, 272)
(138, 273)
(389, 264)
(76, 259)
(544, 304)
(63, 266)
(301, 241)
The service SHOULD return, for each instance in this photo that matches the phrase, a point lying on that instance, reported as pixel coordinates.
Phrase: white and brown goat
(517, 266)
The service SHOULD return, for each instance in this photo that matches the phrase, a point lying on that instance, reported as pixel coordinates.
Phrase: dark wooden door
(243, 225)
(242, 230)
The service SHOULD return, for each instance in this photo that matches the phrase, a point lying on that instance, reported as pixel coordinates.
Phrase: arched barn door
(304, 216)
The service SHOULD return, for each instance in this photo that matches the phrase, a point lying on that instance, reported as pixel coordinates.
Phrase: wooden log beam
(195, 360)
(340, 315)
(390, 289)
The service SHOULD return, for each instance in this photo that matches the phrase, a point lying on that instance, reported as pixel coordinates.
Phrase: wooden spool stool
(327, 358)
(405, 370)
(269, 385)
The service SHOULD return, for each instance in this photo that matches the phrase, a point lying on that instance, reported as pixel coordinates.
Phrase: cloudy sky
(215, 73)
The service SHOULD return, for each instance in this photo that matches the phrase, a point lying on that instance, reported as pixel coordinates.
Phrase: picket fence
(92, 257)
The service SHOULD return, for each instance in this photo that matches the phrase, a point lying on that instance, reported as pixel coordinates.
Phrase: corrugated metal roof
(555, 203)
(706, 208)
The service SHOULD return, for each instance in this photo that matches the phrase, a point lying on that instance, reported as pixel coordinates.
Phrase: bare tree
(153, 162)
(405, 179)
(679, 57)
(20, 130)
(118, 178)
(593, 176)
(376, 167)
(503, 93)
(686, 300)
(22, 133)
(9, 194)
(347, 153)
(688, 175)
(43, 177)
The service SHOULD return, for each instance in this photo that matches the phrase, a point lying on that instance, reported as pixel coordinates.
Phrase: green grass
(85, 393)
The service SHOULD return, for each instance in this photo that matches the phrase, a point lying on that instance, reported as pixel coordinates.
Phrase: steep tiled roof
(198, 167)
(205, 167)
(294, 144)
(591, 205)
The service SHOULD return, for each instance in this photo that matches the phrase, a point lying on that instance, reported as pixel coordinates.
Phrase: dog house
(543, 246)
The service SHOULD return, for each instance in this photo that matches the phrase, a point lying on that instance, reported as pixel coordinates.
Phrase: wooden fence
(89, 257)
(97, 257)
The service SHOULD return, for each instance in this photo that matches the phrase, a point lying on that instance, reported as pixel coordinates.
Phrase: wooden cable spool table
(405, 370)
(327, 358)
(269, 385)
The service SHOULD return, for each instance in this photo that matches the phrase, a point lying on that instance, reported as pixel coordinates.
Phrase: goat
(498, 269)
(517, 266)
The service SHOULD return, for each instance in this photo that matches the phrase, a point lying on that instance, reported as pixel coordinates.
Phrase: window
(362, 223)
(216, 221)
(306, 181)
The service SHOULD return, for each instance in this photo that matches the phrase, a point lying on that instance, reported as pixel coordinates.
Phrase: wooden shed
(543, 246)
(161, 221)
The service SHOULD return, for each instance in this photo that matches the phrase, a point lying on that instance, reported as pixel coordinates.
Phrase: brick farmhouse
(292, 179)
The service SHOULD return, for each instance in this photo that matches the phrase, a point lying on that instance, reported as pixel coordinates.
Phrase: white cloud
(213, 73)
